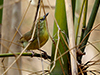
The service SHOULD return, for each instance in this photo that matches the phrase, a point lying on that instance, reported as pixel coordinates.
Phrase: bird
(40, 33)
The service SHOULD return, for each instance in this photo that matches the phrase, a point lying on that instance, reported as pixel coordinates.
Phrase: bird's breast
(37, 43)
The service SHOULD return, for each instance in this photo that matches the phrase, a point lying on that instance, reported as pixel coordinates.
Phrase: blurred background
(34, 64)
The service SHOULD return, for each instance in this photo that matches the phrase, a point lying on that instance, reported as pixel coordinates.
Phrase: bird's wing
(28, 37)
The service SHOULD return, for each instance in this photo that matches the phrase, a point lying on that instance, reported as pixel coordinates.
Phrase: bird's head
(44, 17)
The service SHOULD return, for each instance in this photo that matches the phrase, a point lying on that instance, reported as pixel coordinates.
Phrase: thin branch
(71, 37)
(25, 54)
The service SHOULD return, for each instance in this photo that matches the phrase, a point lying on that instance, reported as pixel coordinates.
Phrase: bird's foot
(32, 53)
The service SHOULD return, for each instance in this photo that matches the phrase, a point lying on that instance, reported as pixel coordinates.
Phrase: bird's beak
(45, 15)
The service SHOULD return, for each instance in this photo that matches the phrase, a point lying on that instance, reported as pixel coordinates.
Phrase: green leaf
(61, 66)
(1, 10)
(90, 24)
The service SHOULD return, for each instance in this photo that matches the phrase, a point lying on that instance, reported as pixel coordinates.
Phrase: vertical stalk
(74, 70)
(89, 25)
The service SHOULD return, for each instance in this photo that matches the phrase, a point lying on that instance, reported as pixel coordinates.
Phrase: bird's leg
(27, 51)
(32, 53)
(42, 50)
(44, 54)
